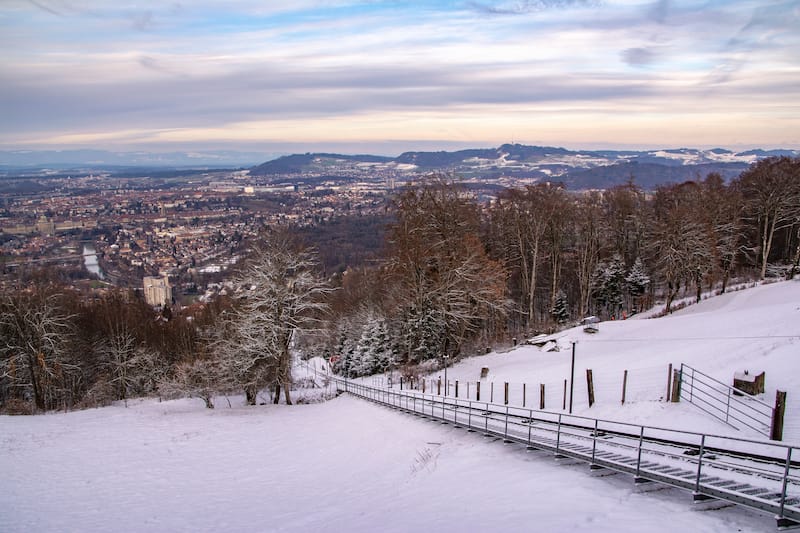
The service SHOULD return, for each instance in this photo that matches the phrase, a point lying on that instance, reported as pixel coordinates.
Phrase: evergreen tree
(560, 310)
(608, 285)
(637, 281)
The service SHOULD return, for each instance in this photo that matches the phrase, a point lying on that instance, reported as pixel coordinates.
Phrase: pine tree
(637, 282)
(560, 310)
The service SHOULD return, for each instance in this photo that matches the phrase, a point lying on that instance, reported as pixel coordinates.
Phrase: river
(90, 261)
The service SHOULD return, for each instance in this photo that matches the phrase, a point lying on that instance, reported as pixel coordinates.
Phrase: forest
(453, 276)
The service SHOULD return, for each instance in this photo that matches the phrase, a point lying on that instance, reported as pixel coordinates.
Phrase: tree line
(457, 276)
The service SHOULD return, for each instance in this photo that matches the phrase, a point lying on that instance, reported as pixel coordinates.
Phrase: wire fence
(649, 383)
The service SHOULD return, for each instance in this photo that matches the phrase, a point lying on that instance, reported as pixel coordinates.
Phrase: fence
(756, 474)
(637, 384)
(725, 403)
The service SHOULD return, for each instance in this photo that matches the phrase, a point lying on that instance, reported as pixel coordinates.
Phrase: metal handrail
(646, 453)
(723, 402)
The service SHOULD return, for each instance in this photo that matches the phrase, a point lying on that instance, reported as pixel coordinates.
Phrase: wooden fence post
(524, 393)
(491, 392)
(590, 386)
(624, 385)
(467, 390)
(505, 396)
(423, 385)
(676, 385)
(776, 432)
(564, 405)
(669, 383)
(541, 396)
(477, 391)
(439, 387)
(456, 388)
(401, 382)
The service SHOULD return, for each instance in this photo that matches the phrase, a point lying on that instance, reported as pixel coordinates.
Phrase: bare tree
(771, 191)
(440, 271)
(588, 239)
(525, 215)
(279, 296)
(34, 354)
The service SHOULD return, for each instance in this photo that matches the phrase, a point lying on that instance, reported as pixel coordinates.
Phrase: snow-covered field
(347, 465)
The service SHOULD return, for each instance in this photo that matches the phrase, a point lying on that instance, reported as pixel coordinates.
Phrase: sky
(387, 76)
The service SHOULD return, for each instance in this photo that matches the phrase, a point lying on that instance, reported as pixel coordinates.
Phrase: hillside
(577, 169)
(756, 329)
(348, 465)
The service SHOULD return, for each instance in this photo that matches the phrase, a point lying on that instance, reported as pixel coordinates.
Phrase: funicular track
(759, 474)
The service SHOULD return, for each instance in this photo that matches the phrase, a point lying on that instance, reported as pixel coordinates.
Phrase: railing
(752, 473)
(734, 407)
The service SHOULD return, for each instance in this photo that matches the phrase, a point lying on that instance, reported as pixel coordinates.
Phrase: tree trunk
(276, 393)
(38, 397)
(287, 394)
(532, 285)
(209, 403)
(769, 231)
(250, 394)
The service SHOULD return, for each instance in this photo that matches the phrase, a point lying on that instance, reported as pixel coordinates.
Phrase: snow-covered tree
(373, 353)
(201, 378)
(560, 310)
(608, 285)
(637, 281)
(279, 296)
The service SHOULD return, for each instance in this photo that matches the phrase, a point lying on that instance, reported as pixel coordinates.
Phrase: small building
(157, 290)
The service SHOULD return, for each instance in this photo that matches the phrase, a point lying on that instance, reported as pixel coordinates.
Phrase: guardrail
(757, 474)
(734, 407)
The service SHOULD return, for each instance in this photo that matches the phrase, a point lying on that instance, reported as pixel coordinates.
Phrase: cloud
(639, 57)
(529, 6)
(660, 11)
(143, 21)
(46, 7)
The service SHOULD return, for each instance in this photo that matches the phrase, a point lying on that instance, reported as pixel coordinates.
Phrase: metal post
(445, 374)
(558, 436)
(699, 463)
(594, 439)
(506, 430)
(639, 454)
(572, 377)
(469, 417)
(486, 420)
(785, 480)
(530, 425)
(728, 406)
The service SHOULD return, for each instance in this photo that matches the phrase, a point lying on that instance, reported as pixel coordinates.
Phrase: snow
(344, 465)
(756, 329)
(349, 465)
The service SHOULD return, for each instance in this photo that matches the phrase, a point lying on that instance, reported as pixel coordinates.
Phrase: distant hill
(581, 169)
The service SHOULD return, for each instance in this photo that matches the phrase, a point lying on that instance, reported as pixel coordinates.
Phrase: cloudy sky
(385, 76)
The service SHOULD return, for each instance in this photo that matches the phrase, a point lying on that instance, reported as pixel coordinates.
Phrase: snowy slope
(756, 329)
(345, 465)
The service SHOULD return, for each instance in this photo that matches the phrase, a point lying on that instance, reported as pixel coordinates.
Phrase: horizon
(366, 76)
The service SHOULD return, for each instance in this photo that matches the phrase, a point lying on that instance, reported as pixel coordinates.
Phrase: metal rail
(757, 474)
(736, 408)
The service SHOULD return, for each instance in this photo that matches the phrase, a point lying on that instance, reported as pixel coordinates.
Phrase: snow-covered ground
(757, 329)
(348, 465)
(344, 465)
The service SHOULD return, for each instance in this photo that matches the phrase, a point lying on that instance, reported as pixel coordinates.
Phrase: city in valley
(101, 230)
